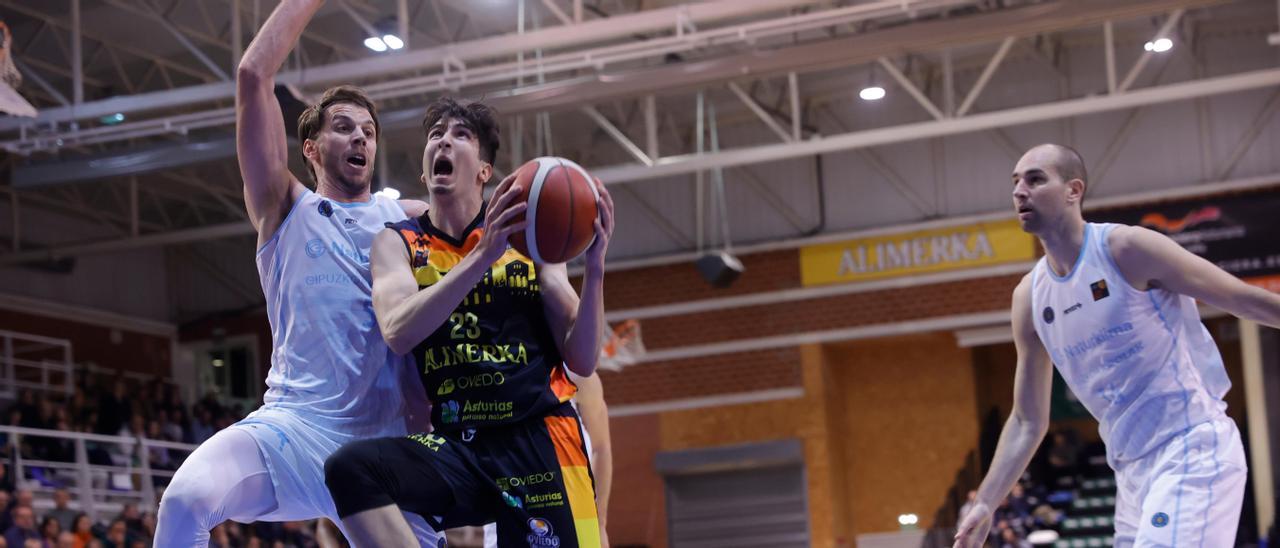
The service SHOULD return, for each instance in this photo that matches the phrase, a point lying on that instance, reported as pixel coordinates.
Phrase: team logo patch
(541, 534)
(1099, 290)
(449, 412)
(511, 501)
(1048, 314)
(315, 248)
(1161, 519)
(326, 208)
(446, 387)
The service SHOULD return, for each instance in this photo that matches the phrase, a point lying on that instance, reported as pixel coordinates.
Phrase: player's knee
(349, 473)
(189, 497)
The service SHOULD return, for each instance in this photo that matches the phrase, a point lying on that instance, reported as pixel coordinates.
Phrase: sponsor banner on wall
(918, 252)
(1240, 234)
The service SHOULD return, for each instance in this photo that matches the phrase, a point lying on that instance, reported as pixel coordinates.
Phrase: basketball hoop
(8, 72)
(621, 346)
(10, 101)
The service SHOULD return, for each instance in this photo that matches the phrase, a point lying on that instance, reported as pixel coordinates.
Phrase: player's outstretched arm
(261, 145)
(1149, 259)
(1025, 428)
(578, 322)
(406, 315)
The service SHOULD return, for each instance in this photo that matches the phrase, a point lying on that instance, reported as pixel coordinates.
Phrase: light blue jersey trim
(1186, 444)
(348, 205)
(1084, 248)
(280, 229)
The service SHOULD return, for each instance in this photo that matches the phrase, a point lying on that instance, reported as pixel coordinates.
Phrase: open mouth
(442, 166)
(357, 160)
(1024, 209)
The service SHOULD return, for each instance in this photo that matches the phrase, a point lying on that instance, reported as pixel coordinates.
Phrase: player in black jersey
(492, 333)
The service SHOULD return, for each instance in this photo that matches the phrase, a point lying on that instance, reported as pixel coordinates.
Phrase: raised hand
(499, 223)
(603, 228)
(974, 527)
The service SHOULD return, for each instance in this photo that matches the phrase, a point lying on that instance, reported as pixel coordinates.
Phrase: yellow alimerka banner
(936, 250)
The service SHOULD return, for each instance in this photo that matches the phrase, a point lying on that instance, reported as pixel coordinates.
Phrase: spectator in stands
(5, 484)
(24, 498)
(66, 540)
(159, 455)
(113, 409)
(132, 518)
(61, 509)
(117, 535)
(1010, 539)
(82, 529)
(49, 530)
(202, 425)
(6, 510)
(1064, 457)
(175, 427)
(23, 528)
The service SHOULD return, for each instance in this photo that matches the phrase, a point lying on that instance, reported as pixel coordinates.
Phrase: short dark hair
(1070, 165)
(312, 119)
(479, 117)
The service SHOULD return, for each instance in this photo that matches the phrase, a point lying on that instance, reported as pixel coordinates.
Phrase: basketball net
(621, 346)
(10, 101)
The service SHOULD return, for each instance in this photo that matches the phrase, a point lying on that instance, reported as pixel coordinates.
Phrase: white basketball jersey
(328, 358)
(1140, 361)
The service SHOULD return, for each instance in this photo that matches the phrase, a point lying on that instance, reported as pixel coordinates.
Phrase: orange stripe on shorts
(568, 441)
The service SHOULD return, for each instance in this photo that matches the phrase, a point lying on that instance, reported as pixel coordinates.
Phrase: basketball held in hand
(562, 210)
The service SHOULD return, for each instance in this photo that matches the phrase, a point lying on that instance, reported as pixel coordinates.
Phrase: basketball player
(332, 378)
(1112, 306)
(589, 401)
(492, 333)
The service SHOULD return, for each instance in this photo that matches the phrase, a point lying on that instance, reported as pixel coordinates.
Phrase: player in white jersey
(333, 379)
(1112, 306)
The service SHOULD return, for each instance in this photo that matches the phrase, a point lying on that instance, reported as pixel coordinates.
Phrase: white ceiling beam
(985, 77)
(679, 165)
(613, 28)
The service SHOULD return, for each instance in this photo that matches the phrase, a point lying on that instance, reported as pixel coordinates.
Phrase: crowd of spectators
(117, 407)
(1029, 506)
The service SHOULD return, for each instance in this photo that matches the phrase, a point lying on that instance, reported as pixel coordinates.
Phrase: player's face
(346, 146)
(451, 161)
(1039, 193)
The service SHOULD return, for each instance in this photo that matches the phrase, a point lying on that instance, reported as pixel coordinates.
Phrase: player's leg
(1197, 490)
(373, 481)
(561, 509)
(491, 529)
(225, 478)
(1128, 510)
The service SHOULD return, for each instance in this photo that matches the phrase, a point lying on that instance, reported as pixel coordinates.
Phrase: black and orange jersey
(494, 361)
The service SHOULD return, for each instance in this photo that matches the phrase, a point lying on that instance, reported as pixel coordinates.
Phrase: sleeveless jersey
(328, 358)
(494, 361)
(1140, 361)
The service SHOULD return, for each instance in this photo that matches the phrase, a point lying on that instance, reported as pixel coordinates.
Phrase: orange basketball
(562, 210)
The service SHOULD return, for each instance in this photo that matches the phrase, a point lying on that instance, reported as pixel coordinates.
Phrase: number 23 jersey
(494, 361)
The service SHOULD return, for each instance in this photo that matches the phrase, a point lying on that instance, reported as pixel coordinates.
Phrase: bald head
(1063, 159)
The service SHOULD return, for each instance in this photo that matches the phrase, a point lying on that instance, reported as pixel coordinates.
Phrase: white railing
(101, 489)
(35, 362)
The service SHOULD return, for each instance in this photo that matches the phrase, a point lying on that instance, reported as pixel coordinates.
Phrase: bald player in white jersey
(1113, 306)
(333, 379)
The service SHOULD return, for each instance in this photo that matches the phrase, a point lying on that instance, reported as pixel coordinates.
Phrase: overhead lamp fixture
(375, 43)
(392, 41)
(872, 91)
(1159, 45)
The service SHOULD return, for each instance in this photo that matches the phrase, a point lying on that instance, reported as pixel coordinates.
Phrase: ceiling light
(392, 41)
(376, 44)
(871, 93)
(1158, 45)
